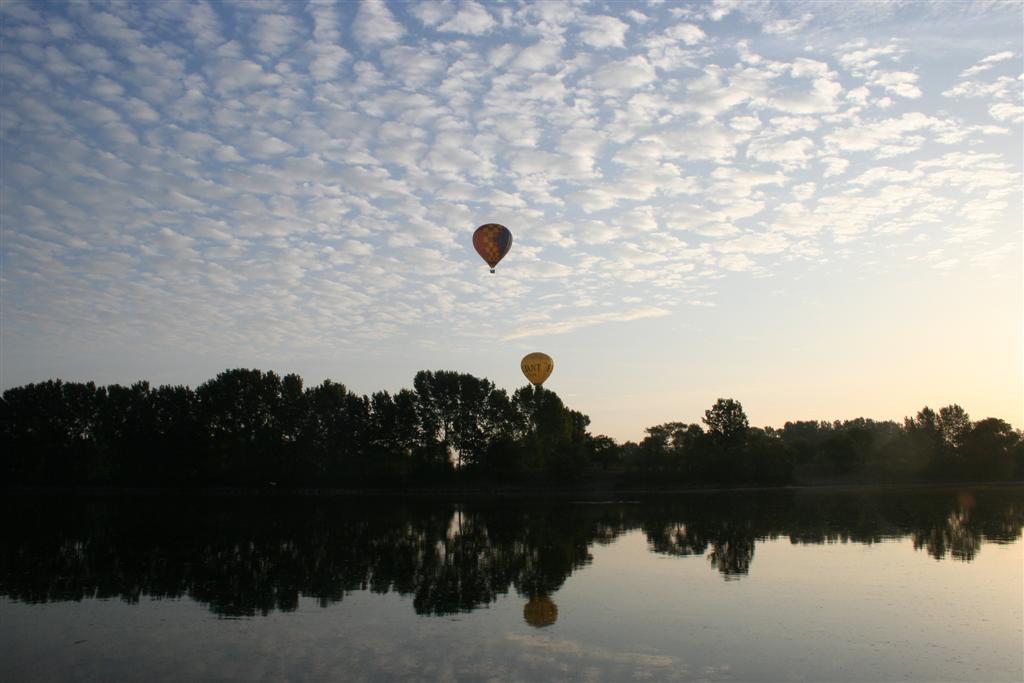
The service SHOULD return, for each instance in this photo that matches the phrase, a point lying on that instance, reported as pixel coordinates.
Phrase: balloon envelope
(492, 242)
(537, 367)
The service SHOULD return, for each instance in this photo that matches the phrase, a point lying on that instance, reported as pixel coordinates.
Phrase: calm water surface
(816, 586)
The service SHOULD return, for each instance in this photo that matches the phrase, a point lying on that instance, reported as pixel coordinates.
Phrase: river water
(818, 585)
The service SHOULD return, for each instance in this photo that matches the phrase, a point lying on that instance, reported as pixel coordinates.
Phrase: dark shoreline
(505, 492)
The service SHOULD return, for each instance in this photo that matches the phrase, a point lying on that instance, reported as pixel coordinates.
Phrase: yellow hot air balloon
(537, 367)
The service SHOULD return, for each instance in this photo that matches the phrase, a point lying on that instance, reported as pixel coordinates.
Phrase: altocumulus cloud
(192, 173)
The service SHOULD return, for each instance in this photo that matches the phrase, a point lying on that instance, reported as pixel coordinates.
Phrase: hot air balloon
(537, 367)
(492, 242)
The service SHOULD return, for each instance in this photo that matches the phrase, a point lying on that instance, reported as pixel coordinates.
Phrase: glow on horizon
(813, 208)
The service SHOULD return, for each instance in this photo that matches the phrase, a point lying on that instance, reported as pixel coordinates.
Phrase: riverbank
(584, 492)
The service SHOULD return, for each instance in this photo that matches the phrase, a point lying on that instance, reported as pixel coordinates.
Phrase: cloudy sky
(812, 208)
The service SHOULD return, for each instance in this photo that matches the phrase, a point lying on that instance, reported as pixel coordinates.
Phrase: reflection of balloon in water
(492, 242)
(537, 367)
(540, 611)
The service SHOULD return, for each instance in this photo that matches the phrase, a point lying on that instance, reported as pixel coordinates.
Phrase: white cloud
(357, 249)
(737, 262)
(787, 26)
(626, 74)
(113, 27)
(262, 146)
(326, 65)
(763, 243)
(741, 182)
(804, 191)
(720, 9)
(603, 31)
(809, 68)
(453, 154)
(196, 143)
(432, 12)
(204, 25)
(1004, 87)
(900, 83)
(717, 91)
(637, 17)
(688, 34)
(870, 136)
(413, 66)
(574, 323)
(641, 218)
(583, 145)
(885, 175)
(987, 63)
(375, 25)
(1007, 112)
(670, 51)
(231, 75)
(705, 141)
(59, 65)
(821, 98)
(746, 124)
(795, 220)
(592, 199)
(140, 111)
(93, 58)
(542, 269)
(538, 57)
(471, 19)
(275, 33)
(862, 62)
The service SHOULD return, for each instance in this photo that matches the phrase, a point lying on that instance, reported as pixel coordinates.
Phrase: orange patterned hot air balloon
(492, 242)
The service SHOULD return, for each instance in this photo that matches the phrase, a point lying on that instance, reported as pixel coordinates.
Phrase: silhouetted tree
(728, 459)
(393, 431)
(913, 455)
(178, 442)
(239, 413)
(673, 449)
(462, 417)
(125, 431)
(337, 426)
(49, 433)
(603, 451)
(804, 439)
(771, 462)
(992, 449)
(249, 427)
(437, 404)
(953, 424)
(726, 421)
(555, 437)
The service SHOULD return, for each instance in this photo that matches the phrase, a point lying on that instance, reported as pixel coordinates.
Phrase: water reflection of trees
(726, 531)
(245, 556)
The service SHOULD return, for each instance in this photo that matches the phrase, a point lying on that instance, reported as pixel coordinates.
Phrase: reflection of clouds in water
(542, 649)
(367, 640)
(519, 657)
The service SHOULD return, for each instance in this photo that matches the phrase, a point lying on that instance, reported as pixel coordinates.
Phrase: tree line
(248, 427)
(931, 446)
